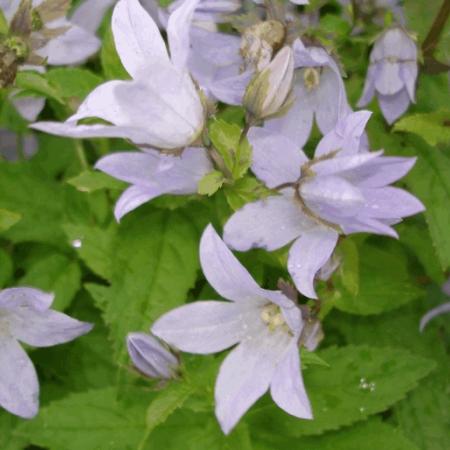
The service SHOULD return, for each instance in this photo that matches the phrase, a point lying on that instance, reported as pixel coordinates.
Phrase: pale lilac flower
(9, 143)
(340, 191)
(319, 94)
(376, 9)
(296, 2)
(151, 357)
(152, 174)
(265, 324)
(392, 73)
(25, 316)
(160, 107)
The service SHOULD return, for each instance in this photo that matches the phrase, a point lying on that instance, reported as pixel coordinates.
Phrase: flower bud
(151, 357)
(268, 92)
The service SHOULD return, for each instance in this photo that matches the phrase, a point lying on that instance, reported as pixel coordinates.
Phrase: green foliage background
(124, 276)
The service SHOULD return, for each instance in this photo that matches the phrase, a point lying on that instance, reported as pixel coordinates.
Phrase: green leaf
(311, 359)
(155, 264)
(111, 64)
(38, 84)
(55, 273)
(370, 435)
(210, 183)
(3, 23)
(8, 425)
(88, 420)
(6, 268)
(8, 219)
(166, 402)
(433, 127)
(235, 151)
(349, 268)
(91, 181)
(384, 281)
(245, 190)
(337, 394)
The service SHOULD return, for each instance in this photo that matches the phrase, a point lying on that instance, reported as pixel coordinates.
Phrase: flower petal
(430, 315)
(133, 197)
(137, 37)
(231, 89)
(246, 373)
(393, 106)
(178, 32)
(223, 270)
(287, 388)
(45, 328)
(388, 81)
(19, 297)
(276, 159)
(19, 386)
(202, 327)
(90, 13)
(270, 223)
(308, 255)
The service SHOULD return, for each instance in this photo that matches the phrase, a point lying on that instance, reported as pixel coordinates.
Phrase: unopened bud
(151, 357)
(268, 93)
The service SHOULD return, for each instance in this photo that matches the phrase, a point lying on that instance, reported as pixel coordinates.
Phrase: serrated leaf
(88, 420)
(384, 282)
(111, 64)
(155, 264)
(370, 435)
(210, 183)
(55, 273)
(8, 219)
(91, 181)
(433, 127)
(336, 393)
(243, 191)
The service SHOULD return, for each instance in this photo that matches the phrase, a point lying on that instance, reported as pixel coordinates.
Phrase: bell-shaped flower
(340, 191)
(160, 107)
(264, 325)
(268, 92)
(392, 73)
(319, 93)
(152, 174)
(25, 316)
(151, 357)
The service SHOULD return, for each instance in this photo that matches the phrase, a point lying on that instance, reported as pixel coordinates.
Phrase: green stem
(431, 41)
(79, 149)
(144, 439)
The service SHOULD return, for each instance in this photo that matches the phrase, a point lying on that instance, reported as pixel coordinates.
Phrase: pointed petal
(365, 224)
(390, 203)
(90, 13)
(393, 106)
(270, 223)
(29, 107)
(369, 86)
(287, 388)
(19, 297)
(308, 255)
(223, 271)
(430, 315)
(388, 81)
(45, 328)
(202, 327)
(137, 37)
(246, 373)
(19, 386)
(178, 32)
(134, 197)
(408, 73)
(276, 159)
(231, 90)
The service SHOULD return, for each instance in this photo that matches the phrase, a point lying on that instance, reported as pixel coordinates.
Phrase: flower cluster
(284, 82)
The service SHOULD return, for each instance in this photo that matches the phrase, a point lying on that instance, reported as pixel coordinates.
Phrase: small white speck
(77, 243)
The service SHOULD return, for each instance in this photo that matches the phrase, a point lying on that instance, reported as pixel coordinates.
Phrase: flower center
(311, 78)
(272, 316)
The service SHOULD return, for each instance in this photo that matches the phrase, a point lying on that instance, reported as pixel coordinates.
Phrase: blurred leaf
(433, 127)
(337, 393)
(8, 219)
(6, 268)
(90, 181)
(349, 268)
(8, 425)
(311, 359)
(38, 84)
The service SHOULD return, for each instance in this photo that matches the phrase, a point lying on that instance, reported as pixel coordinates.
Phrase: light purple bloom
(438, 310)
(160, 107)
(151, 357)
(340, 191)
(25, 316)
(392, 73)
(265, 324)
(153, 174)
(319, 93)
(376, 9)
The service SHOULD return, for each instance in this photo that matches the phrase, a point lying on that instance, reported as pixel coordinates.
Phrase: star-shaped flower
(25, 316)
(265, 325)
(340, 191)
